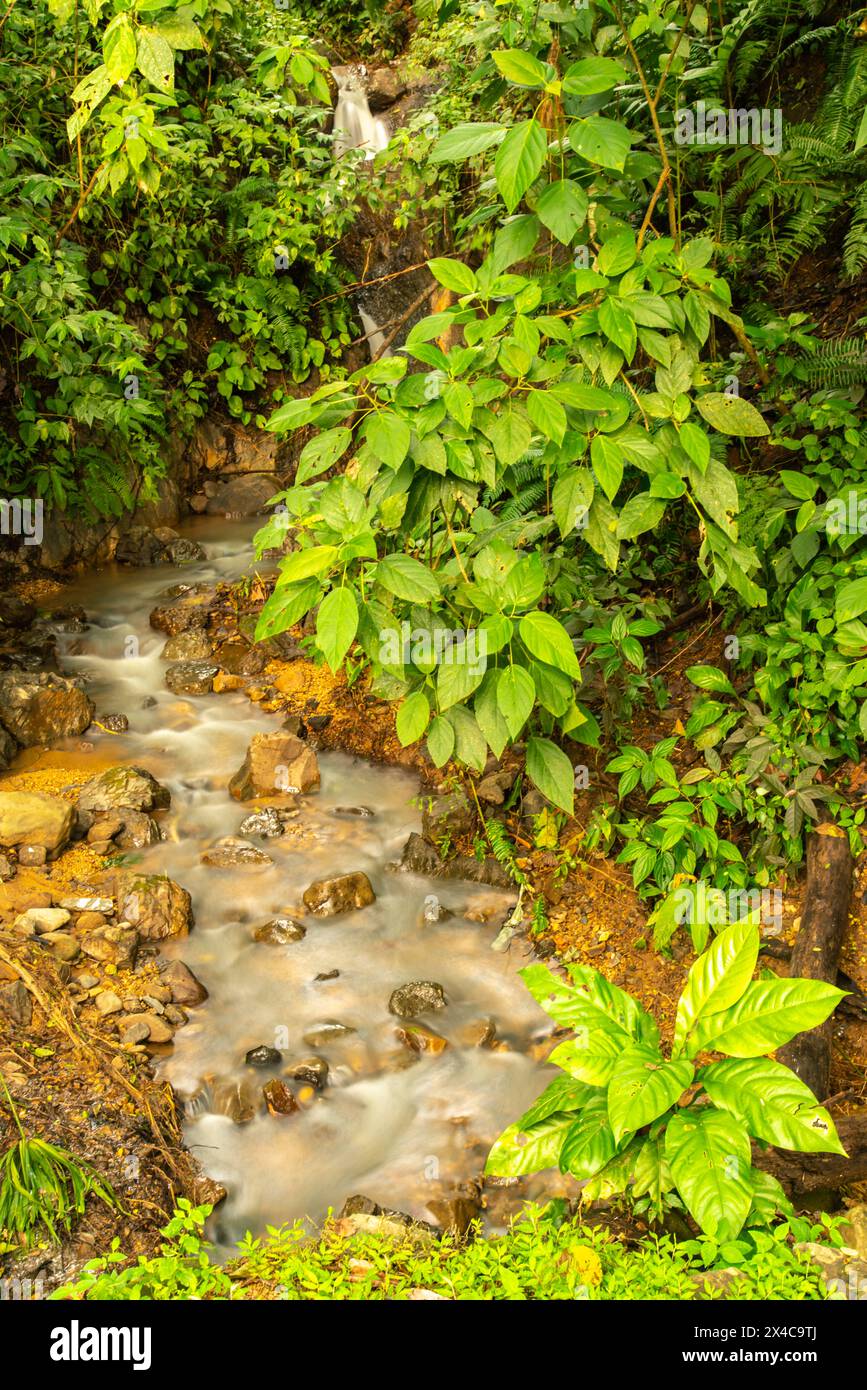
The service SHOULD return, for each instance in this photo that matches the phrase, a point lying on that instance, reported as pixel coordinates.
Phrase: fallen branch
(802, 1173)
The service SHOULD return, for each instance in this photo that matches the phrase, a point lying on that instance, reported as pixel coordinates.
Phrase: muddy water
(404, 1130)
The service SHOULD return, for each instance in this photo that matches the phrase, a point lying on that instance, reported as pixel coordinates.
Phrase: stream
(403, 1129)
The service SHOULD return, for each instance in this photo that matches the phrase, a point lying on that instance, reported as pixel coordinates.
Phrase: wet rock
(90, 921)
(32, 856)
(8, 748)
(275, 763)
(267, 823)
(184, 552)
(112, 945)
(420, 857)
(175, 1015)
(450, 816)
(245, 495)
(279, 1099)
(37, 920)
(191, 677)
(187, 646)
(354, 812)
(280, 931)
(40, 709)
(434, 911)
(107, 1002)
(185, 987)
(317, 722)
(16, 612)
(421, 1039)
(113, 723)
(159, 1031)
(158, 907)
(361, 1215)
(417, 997)
(235, 854)
(384, 86)
(327, 1031)
(239, 1100)
(326, 975)
(15, 1003)
(227, 448)
(135, 1033)
(208, 1192)
(32, 818)
(263, 1056)
(189, 611)
(312, 1070)
(139, 546)
(239, 659)
(7, 868)
(224, 682)
(137, 830)
(455, 1214)
(854, 1232)
(119, 789)
(480, 1032)
(329, 897)
(493, 788)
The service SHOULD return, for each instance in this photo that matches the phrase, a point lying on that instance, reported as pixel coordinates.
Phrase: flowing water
(355, 126)
(402, 1129)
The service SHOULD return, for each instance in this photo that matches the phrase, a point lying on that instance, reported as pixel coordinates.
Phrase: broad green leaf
(463, 141)
(546, 638)
(520, 67)
(517, 1152)
(301, 564)
(547, 414)
(456, 681)
(607, 459)
(774, 1104)
(571, 498)
(388, 435)
(696, 444)
(641, 513)
(618, 325)
(440, 741)
(709, 1156)
(322, 453)
(589, 1143)
(407, 578)
(119, 50)
(561, 1094)
(519, 161)
(488, 716)
(470, 746)
(591, 1055)
(412, 718)
(642, 1087)
(850, 600)
(710, 678)
(562, 208)
(617, 254)
(516, 696)
(716, 981)
(336, 625)
(453, 274)
(285, 608)
(590, 76)
(731, 415)
(551, 771)
(181, 33)
(766, 1016)
(601, 141)
(156, 61)
(616, 1003)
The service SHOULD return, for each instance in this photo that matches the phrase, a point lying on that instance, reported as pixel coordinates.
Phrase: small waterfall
(355, 126)
(374, 334)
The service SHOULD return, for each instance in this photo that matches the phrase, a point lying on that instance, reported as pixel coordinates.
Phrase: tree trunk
(801, 1173)
(817, 948)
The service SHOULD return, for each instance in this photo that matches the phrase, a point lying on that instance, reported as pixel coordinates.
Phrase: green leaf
(774, 1103)
(119, 50)
(453, 274)
(710, 678)
(412, 718)
(850, 600)
(180, 33)
(517, 1152)
(519, 161)
(440, 741)
(618, 325)
(766, 1016)
(592, 1054)
(551, 771)
(716, 980)
(709, 1156)
(590, 76)
(510, 434)
(589, 1143)
(561, 1094)
(607, 459)
(546, 638)
(488, 716)
(322, 453)
(642, 1087)
(641, 513)
(456, 681)
(156, 61)
(547, 414)
(562, 208)
(731, 415)
(388, 436)
(571, 498)
(285, 608)
(520, 67)
(407, 578)
(615, 1003)
(516, 696)
(470, 746)
(617, 254)
(301, 564)
(601, 141)
(696, 444)
(336, 625)
(463, 141)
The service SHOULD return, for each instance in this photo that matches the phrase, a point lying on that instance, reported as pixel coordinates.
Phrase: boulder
(61, 944)
(187, 646)
(420, 857)
(156, 906)
(158, 1030)
(112, 723)
(384, 86)
(38, 920)
(39, 709)
(191, 677)
(33, 818)
(188, 610)
(275, 763)
(120, 788)
(267, 823)
(185, 988)
(116, 946)
(328, 897)
(184, 552)
(312, 1070)
(418, 997)
(138, 546)
(248, 494)
(450, 816)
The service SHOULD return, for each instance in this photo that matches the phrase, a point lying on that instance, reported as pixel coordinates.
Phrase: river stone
(191, 677)
(354, 812)
(328, 897)
(112, 945)
(235, 854)
(418, 997)
(139, 546)
(137, 830)
(421, 1039)
(40, 709)
(384, 86)
(120, 788)
(183, 551)
(185, 987)
(187, 646)
(239, 659)
(190, 609)
(420, 857)
(479, 1032)
(248, 494)
(16, 612)
(84, 903)
(8, 748)
(107, 1002)
(63, 945)
(450, 816)
(266, 823)
(33, 818)
(158, 1030)
(263, 1056)
(157, 906)
(279, 1099)
(327, 1031)
(280, 931)
(239, 1100)
(275, 763)
(112, 723)
(15, 1003)
(313, 1070)
(38, 920)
